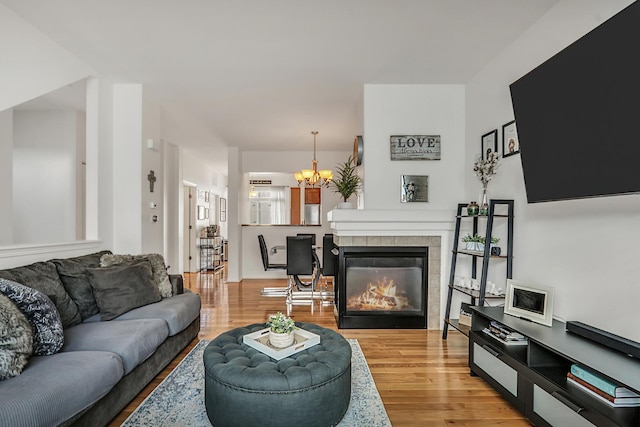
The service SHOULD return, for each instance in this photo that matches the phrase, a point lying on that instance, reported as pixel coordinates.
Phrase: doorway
(189, 232)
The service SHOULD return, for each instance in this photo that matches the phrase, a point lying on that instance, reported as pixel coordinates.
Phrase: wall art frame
(414, 147)
(510, 142)
(223, 209)
(489, 143)
(414, 188)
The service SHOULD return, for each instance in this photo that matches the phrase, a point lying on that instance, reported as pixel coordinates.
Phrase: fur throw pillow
(16, 339)
(158, 267)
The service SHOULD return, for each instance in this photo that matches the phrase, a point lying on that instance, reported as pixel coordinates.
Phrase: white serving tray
(260, 341)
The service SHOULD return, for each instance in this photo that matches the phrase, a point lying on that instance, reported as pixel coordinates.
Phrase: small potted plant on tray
(281, 330)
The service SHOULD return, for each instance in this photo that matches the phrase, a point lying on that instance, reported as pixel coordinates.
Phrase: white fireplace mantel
(388, 222)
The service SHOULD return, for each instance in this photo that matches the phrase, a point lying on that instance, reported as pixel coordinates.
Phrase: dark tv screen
(578, 115)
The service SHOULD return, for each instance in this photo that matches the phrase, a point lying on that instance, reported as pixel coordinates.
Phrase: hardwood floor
(422, 379)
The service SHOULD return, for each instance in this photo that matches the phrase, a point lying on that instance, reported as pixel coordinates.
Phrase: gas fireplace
(382, 287)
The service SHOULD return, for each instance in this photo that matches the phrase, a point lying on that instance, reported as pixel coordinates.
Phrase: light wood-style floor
(422, 379)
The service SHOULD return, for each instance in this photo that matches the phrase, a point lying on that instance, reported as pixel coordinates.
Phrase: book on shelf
(524, 341)
(601, 392)
(601, 383)
(619, 402)
(505, 333)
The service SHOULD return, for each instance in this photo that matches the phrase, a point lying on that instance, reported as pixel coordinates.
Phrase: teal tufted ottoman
(244, 387)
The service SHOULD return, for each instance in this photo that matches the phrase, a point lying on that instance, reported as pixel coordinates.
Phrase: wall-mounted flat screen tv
(578, 115)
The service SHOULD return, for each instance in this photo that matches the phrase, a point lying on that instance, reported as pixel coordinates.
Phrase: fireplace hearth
(382, 287)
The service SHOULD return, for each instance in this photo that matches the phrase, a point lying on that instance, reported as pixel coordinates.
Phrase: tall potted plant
(346, 182)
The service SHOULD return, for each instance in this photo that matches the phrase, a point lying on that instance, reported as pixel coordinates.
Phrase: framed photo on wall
(223, 209)
(510, 143)
(489, 143)
(201, 212)
(415, 188)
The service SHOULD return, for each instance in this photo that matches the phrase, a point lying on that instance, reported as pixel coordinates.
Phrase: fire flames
(379, 296)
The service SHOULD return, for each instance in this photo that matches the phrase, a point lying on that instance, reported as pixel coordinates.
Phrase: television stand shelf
(533, 377)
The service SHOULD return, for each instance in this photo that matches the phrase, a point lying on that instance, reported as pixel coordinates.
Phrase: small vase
(484, 198)
(484, 202)
(472, 209)
(280, 340)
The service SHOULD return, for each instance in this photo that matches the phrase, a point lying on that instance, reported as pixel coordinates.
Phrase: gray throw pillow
(43, 277)
(72, 272)
(160, 276)
(16, 339)
(122, 287)
(48, 334)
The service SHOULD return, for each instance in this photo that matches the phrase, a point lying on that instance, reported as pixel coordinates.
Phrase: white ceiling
(262, 74)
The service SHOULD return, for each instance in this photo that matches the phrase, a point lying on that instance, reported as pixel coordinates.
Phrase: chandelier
(314, 176)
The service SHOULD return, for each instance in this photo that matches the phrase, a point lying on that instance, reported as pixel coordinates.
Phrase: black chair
(301, 261)
(313, 237)
(329, 259)
(265, 256)
(299, 255)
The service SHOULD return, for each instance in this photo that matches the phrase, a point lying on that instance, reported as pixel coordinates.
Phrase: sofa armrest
(177, 283)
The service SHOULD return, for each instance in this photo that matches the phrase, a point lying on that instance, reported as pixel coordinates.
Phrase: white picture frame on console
(529, 302)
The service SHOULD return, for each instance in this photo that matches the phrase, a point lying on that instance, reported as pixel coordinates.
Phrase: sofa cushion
(43, 277)
(122, 287)
(160, 276)
(178, 311)
(51, 389)
(72, 272)
(16, 339)
(48, 334)
(132, 340)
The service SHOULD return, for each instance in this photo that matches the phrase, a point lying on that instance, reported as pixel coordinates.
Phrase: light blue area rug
(179, 400)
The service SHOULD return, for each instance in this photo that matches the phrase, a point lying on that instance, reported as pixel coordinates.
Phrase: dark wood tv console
(532, 377)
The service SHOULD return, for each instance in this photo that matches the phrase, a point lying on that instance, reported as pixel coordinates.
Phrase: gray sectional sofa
(101, 365)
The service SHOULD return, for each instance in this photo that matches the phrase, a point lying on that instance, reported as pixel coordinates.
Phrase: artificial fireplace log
(380, 295)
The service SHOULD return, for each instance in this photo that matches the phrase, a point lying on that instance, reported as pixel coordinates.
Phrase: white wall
(413, 110)
(584, 248)
(152, 160)
(127, 156)
(30, 57)
(6, 176)
(44, 176)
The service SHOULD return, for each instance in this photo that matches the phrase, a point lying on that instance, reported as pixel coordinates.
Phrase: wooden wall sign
(415, 147)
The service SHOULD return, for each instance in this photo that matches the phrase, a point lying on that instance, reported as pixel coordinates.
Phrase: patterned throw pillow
(40, 312)
(16, 339)
(160, 276)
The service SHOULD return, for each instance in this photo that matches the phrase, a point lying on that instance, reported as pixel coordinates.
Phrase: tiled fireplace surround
(391, 228)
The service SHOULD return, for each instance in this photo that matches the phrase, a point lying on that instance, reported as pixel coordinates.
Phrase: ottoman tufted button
(244, 387)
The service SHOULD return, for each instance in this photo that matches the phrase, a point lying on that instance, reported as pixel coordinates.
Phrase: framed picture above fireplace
(414, 188)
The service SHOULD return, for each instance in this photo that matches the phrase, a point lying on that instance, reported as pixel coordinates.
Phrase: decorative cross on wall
(152, 179)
